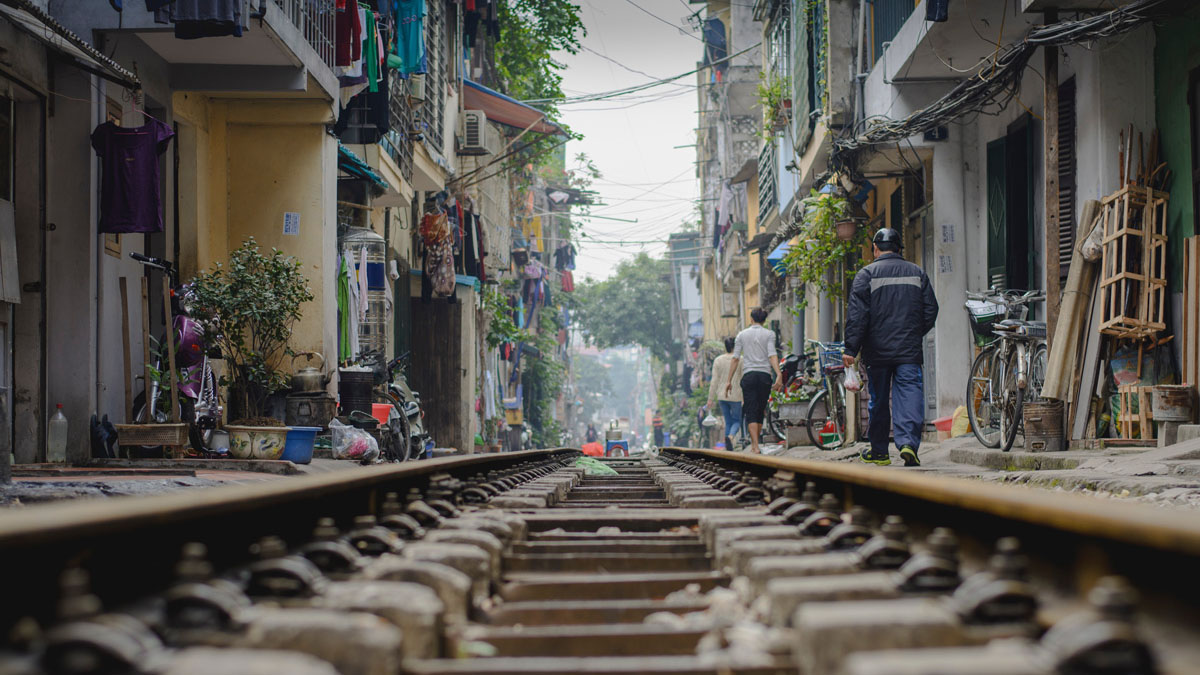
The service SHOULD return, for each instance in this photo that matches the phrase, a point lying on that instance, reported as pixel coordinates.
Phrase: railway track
(688, 562)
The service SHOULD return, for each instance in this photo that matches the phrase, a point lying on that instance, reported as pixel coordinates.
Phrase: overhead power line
(599, 96)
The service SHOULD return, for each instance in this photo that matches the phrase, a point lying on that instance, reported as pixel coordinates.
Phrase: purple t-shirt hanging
(130, 200)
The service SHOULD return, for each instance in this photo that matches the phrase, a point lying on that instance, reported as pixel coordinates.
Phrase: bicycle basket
(831, 359)
(984, 315)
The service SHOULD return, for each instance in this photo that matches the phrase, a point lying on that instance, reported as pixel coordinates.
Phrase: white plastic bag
(710, 421)
(852, 381)
(353, 443)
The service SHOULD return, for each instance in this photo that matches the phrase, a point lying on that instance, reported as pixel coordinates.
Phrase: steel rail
(131, 545)
(1071, 541)
(1122, 522)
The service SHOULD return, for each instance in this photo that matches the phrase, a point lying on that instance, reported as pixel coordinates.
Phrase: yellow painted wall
(243, 164)
(716, 327)
(274, 169)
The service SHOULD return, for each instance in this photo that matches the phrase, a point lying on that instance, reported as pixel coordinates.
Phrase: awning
(507, 111)
(29, 18)
(775, 258)
(356, 167)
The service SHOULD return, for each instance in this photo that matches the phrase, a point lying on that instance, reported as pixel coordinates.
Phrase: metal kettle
(309, 380)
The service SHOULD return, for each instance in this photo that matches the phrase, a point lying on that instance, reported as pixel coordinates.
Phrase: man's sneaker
(909, 455)
(871, 458)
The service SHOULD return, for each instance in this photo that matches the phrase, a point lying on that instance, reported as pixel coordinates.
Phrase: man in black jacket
(892, 307)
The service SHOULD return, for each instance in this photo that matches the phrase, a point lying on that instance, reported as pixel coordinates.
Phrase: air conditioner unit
(474, 133)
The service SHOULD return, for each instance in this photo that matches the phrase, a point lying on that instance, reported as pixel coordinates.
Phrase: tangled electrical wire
(994, 84)
(998, 83)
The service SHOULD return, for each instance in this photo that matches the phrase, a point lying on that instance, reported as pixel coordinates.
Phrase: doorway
(1011, 181)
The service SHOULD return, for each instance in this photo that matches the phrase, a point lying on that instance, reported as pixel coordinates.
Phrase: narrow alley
(493, 335)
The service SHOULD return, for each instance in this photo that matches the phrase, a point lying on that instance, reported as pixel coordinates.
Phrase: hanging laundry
(361, 271)
(410, 35)
(203, 18)
(347, 31)
(343, 305)
(568, 281)
(352, 304)
(564, 257)
(130, 200)
(370, 52)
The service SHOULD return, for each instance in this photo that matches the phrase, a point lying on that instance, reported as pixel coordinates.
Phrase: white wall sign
(945, 264)
(947, 234)
(291, 223)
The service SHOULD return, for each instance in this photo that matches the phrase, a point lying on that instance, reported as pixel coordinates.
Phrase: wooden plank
(1051, 126)
(127, 356)
(146, 345)
(170, 338)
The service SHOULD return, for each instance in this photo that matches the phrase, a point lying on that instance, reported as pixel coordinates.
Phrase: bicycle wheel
(773, 424)
(1037, 372)
(1012, 402)
(826, 413)
(982, 386)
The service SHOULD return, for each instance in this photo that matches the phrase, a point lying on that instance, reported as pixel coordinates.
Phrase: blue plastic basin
(299, 445)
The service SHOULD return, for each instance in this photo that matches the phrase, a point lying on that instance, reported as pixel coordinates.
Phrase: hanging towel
(343, 304)
(362, 284)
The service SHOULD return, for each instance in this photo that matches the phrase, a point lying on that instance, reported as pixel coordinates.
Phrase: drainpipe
(860, 109)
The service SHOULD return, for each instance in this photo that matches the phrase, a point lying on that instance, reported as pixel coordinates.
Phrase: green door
(997, 205)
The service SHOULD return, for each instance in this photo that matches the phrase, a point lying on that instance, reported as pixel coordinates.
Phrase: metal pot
(308, 379)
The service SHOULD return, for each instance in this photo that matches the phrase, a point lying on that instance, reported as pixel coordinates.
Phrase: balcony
(917, 51)
(398, 142)
(287, 47)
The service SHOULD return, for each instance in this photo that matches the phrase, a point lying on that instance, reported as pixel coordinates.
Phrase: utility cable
(629, 90)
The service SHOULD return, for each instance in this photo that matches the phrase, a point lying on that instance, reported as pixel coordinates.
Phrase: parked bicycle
(199, 401)
(1011, 368)
(827, 409)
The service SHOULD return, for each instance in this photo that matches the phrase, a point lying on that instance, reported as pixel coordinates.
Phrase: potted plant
(249, 309)
(775, 101)
(830, 241)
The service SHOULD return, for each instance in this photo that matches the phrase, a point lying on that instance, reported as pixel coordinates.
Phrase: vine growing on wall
(820, 250)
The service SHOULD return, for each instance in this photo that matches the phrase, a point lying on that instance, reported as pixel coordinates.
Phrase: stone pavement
(1168, 476)
(36, 483)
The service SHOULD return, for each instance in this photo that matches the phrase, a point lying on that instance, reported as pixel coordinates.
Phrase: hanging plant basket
(846, 229)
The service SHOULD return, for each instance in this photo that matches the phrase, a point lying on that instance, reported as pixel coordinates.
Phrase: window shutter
(1066, 175)
(802, 82)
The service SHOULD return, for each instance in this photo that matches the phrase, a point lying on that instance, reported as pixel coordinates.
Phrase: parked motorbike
(407, 419)
(199, 401)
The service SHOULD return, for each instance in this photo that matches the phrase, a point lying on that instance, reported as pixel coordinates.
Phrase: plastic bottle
(56, 438)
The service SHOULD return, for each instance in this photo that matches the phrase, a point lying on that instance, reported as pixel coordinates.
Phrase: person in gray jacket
(892, 307)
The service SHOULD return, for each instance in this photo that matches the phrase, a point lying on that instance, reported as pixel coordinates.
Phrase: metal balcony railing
(767, 180)
(398, 142)
(433, 112)
(315, 19)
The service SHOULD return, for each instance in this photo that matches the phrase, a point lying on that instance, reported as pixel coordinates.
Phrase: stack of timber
(1123, 298)
(1190, 327)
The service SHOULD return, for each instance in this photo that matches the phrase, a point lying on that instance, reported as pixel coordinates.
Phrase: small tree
(249, 310)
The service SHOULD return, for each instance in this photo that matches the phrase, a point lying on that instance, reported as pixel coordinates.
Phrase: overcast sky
(632, 139)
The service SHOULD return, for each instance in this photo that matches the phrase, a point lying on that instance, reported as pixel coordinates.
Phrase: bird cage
(372, 330)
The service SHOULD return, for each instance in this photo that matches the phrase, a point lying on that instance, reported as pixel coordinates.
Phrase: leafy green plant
(774, 98)
(820, 250)
(501, 328)
(249, 308)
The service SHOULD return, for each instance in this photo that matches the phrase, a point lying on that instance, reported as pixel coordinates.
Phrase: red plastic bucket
(380, 411)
